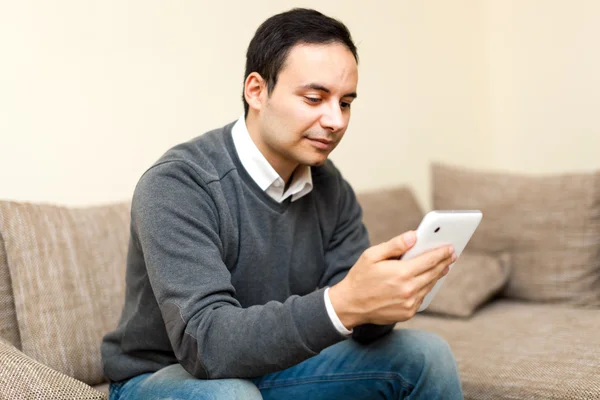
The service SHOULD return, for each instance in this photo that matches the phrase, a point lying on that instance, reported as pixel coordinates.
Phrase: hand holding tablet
(442, 228)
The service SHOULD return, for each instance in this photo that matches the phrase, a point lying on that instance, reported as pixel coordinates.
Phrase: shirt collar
(263, 173)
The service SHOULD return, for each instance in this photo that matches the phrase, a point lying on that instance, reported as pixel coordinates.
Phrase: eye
(345, 104)
(313, 100)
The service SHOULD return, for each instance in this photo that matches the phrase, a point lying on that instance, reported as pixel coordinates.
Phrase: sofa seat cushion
(511, 350)
(22, 377)
(102, 388)
(67, 267)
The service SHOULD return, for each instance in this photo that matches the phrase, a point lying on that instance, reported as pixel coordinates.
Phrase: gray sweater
(222, 278)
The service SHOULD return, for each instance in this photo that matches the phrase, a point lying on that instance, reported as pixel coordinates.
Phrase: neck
(284, 167)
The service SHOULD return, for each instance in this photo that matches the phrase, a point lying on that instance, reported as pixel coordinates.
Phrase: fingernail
(410, 238)
(454, 257)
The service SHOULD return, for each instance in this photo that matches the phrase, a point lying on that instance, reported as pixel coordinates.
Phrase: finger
(393, 248)
(430, 260)
(425, 291)
(431, 276)
(445, 271)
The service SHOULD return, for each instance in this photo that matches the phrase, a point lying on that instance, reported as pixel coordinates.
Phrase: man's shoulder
(208, 156)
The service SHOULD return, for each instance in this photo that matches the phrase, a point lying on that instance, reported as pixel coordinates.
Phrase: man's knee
(425, 348)
(175, 382)
(432, 367)
(238, 389)
(219, 389)
(436, 352)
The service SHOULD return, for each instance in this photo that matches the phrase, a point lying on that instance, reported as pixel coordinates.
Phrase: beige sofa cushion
(474, 279)
(68, 269)
(511, 350)
(21, 377)
(550, 225)
(9, 330)
(103, 388)
(389, 212)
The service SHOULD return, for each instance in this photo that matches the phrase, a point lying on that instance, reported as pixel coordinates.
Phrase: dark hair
(275, 37)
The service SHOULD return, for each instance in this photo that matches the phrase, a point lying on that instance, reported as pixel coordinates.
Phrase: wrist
(341, 300)
(339, 326)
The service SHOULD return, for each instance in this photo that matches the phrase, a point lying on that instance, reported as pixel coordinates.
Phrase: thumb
(396, 246)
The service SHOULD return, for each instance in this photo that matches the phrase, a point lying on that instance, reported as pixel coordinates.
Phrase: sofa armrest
(22, 377)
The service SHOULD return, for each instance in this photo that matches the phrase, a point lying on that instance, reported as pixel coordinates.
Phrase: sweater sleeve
(177, 226)
(350, 239)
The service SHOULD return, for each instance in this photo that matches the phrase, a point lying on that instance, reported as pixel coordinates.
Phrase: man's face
(308, 111)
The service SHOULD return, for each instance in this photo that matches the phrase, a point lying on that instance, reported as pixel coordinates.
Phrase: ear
(255, 90)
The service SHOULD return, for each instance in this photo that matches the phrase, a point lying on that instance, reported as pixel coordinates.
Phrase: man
(249, 272)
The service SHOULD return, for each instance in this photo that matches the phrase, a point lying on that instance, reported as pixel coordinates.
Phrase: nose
(333, 119)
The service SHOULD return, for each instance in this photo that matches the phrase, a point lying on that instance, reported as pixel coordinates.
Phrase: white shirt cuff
(333, 316)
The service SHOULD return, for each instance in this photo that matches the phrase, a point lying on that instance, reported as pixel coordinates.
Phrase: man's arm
(348, 242)
(176, 224)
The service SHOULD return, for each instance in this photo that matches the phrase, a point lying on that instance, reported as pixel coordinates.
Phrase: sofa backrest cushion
(550, 225)
(9, 330)
(68, 269)
(389, 212)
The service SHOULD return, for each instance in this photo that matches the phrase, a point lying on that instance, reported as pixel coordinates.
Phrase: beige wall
(91, 93)
(542, 63)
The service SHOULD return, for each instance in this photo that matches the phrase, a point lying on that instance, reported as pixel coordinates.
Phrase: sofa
(520, 307)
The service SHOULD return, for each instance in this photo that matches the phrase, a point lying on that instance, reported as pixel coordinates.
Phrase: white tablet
(441, 228)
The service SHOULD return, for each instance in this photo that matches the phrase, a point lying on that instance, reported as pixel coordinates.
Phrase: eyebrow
(321, 88)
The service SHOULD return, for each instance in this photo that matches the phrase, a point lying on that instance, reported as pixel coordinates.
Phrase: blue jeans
(405, 364)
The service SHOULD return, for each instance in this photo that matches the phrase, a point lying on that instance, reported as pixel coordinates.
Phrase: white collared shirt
(271, 183)
(263, 173)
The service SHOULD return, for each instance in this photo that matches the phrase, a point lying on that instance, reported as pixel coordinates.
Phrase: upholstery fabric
(9, 329)
(389, 212)
(550, 225)
(473, 280)
(513, 350)
(21, 377)
(103, 388)
(67, 267)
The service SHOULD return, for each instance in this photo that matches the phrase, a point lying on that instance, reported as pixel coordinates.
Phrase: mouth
(322, 144)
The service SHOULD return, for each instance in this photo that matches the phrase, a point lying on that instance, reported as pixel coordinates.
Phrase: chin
(317, 163)
(316, 159)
